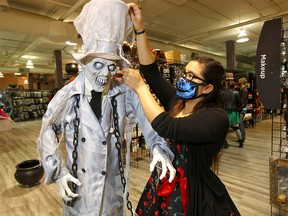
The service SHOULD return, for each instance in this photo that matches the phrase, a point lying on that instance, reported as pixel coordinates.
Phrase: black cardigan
(204, 133)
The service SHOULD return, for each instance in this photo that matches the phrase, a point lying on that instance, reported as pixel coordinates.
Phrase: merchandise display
(5, 102)
(173, 57)
(27, 104)
(138, 149)
(279, 148)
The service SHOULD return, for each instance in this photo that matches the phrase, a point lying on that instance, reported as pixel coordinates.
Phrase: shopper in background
(90, 112)
(196, 127)
(243, 91)
(232, 106)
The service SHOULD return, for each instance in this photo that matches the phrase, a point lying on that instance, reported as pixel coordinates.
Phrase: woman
(232, 106)
(243, 91)
(196, 127)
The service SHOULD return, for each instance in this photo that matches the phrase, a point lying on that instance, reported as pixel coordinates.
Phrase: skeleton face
(99, 72)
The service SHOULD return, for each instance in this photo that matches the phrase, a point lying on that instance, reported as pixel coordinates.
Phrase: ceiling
(31, 29)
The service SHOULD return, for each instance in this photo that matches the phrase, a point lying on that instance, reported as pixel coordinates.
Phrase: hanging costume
(93, 143)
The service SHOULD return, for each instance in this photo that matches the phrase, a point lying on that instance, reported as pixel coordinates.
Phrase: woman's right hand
(136, 17)
(133, 79)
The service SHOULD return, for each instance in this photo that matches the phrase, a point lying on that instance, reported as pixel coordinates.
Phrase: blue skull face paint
(187, 89)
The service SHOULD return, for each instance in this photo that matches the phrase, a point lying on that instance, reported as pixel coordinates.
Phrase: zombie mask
(99, 72)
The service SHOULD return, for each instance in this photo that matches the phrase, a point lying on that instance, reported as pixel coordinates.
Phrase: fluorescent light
(69, 43)
(29, 64)
(17, 74)
(242, 37)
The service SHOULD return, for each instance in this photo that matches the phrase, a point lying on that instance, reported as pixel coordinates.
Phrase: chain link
(118, 147)
(57, 130)
(76, 123)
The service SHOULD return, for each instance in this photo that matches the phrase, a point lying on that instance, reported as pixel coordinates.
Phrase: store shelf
(278, 167)
(138, 149)
(27, 105)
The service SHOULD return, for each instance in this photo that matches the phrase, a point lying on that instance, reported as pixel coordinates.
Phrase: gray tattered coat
(101, 192)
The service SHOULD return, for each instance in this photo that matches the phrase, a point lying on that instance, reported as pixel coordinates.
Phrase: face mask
(98, 73)
(187, 89)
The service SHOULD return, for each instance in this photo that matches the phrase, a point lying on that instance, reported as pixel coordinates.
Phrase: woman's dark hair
(213, 74)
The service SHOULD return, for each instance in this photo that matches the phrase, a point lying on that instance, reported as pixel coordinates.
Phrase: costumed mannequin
(93, 139)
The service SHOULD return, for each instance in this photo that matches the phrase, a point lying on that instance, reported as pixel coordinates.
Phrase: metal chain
(75, 153)
(76, 123)
(118, 147)
(57, 130)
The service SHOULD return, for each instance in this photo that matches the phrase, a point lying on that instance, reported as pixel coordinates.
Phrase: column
(230, 54)
(58, 69)
(30, 81)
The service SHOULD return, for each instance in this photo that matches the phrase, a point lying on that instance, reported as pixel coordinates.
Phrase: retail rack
(26, 105)
(278, 163)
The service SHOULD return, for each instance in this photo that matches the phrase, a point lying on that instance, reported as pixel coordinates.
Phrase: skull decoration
(98, 72)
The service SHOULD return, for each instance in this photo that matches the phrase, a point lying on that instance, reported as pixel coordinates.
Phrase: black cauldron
(72, 68)
(29, 173)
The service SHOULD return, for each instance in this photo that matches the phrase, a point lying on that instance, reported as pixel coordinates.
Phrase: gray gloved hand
(165, 163)
(66, 193)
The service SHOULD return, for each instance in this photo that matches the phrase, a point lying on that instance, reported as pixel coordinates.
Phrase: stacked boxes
(173, 57)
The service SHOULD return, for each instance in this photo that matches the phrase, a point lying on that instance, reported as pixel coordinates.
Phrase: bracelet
(141, 32)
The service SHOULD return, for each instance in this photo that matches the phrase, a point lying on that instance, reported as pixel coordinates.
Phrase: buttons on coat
(83, 139)
(83, 170)
(104, 142)
(103, 173)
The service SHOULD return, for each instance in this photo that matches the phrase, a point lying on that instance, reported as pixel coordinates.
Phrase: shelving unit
(278, 163)
(138, 149)
(5, 102)
(27, 105)
(278, 166)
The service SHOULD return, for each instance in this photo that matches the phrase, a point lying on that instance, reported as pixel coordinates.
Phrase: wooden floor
(245, 172)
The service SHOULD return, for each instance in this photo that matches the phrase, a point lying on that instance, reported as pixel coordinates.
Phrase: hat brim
(86, 58)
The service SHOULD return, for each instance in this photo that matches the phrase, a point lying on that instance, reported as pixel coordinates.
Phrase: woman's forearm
(151, 108)
(143, 48)
(144, 53)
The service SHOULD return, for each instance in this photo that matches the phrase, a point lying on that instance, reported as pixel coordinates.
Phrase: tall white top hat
(103, 25)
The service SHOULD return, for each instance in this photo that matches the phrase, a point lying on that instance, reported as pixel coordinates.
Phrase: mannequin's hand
(66, 193)
(165, 163)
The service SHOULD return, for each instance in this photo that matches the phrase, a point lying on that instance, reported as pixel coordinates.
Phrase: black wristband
(141, 32)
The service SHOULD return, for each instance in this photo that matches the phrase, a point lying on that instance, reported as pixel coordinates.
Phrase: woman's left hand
(133, 79)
